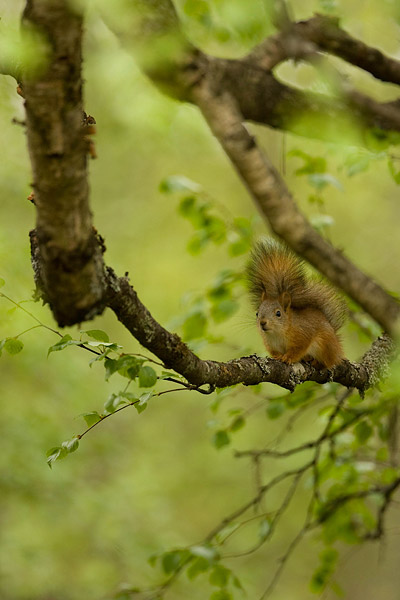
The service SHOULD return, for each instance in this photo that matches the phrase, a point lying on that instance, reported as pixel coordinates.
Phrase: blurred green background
(141, 484)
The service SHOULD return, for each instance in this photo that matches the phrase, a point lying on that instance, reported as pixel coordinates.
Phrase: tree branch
(249, 370)
(70, 256)
(325, 33)
(275, 202)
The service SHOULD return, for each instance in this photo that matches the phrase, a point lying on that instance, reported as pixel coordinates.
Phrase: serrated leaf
(97, 334)
(147, 376)
(91, 417)
(221, 439)
(13, 346)
(63, 343)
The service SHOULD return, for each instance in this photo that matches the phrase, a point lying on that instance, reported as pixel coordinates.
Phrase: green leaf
(236, 583)
(198, 566)
(207, 552)
(237, 423)
(63, 343)
(219, 576)
(91, 417)
(220, 311)
(71, 445)
(112, 403)
(129, 366)
(2, 282)
(362, 431)
(194, 326)
(167, 374)
(147, 376)
(321, 180)
(264, 529)
(55, 454)
(394, 173)
(311, 164)
(221, 439)
(179, 183)
(108, 345)
(171, 561)
(319, 222)
(97, 334)
(239, 246)
(111, 367)
(143, 399)
(152, 560)
(275, 409)
(13, 346)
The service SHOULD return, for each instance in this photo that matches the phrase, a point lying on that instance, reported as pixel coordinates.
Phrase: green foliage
(322, 575)
(221, 438)
(114, 471)
(62, 451)
(11, 345)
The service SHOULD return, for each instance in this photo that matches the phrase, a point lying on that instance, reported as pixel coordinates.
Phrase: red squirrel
(298, 317)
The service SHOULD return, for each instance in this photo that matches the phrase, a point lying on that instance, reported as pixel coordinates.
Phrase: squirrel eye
(278, 313)
(257, 314)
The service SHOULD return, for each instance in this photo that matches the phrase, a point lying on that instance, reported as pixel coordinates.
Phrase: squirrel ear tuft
(285, 301)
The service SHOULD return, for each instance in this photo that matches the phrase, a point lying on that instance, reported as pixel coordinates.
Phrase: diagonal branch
(275, 202)
(249, 370)
(326, 34)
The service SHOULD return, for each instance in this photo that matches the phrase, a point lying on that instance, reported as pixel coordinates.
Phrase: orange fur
(297, 317)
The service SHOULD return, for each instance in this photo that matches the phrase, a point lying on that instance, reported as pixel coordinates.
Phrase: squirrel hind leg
(326, 350)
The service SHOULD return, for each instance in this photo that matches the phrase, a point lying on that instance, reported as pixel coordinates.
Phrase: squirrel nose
(263, 324)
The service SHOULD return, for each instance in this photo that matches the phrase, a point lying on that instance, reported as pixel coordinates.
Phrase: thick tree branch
(325, 33)
(351, 117)
(278, 207)
(249, 370)
(67, 254)
(71, 265)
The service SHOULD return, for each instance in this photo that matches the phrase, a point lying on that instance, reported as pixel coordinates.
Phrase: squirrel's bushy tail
(274, 269)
